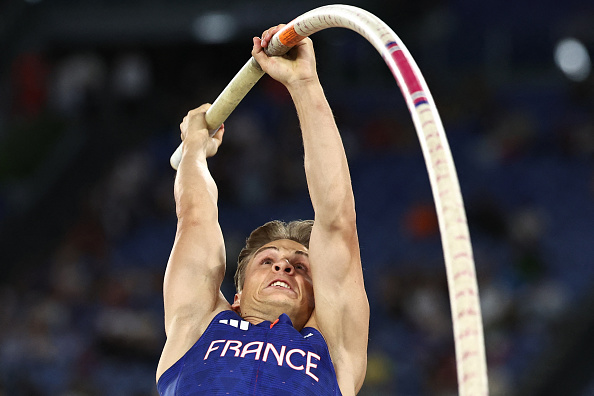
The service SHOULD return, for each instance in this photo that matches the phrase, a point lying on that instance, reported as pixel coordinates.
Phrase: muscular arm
(342, 309)
(196, 267)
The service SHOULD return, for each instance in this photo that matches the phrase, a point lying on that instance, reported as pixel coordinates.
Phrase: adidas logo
(241, 324)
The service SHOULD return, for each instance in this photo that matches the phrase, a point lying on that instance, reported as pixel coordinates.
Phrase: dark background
(91, 96)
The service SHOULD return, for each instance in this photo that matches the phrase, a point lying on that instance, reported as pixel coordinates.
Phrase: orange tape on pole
(289, 36)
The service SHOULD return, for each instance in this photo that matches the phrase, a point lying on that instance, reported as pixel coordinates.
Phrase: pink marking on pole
(469, 312)
(467, 333)
(427, 123)
(463, 273)
(469, 354)
(460, 255)
(468, 377)
(462, 293)
(411, 82)
(461, 238)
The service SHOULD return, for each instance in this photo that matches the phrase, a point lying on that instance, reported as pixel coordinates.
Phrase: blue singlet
(234, 357)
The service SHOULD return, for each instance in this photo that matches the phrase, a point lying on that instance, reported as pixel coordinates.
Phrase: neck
(255, 316)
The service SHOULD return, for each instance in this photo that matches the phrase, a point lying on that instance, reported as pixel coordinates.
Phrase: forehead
(283, 246)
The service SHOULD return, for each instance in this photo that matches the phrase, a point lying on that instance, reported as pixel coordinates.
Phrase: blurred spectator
(29, 85)
(420, 221)
(131, 76)
(78, 83)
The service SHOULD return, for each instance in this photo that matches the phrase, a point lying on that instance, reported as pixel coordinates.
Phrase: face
(277, 280)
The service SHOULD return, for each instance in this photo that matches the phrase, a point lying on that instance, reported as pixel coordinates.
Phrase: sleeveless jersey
(235, 357)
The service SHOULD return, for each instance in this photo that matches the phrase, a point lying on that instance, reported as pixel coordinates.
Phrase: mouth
(279, 284)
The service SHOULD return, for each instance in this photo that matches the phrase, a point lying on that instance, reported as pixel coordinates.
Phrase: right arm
(196, 267)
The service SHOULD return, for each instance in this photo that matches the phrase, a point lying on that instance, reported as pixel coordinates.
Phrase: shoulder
(183, 335)
(346, 342)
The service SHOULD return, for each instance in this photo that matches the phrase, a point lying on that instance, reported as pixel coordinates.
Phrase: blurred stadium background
(91, 96)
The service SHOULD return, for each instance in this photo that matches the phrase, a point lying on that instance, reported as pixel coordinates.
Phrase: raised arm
(342, 310)
(196, 267)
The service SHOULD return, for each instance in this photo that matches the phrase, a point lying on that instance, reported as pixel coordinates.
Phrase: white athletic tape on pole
(459, 262)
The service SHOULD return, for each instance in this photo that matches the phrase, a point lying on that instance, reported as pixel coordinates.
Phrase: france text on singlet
(235, 357)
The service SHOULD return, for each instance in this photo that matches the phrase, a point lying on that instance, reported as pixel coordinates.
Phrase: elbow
(344, 222)
(195, 202)
(196, 215)
(196, 209)
(337, 217)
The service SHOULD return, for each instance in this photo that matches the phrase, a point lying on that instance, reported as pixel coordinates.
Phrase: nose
(284, 266)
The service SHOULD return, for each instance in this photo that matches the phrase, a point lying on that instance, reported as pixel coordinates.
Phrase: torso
(236, 357)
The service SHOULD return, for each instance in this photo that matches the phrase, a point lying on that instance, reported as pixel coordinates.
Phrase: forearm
(326, 166)
(198, 251)
(195, 190)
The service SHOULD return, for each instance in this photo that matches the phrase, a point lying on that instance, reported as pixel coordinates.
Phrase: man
(274, 338)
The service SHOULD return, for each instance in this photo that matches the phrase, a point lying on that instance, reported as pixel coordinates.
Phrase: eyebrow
(300, 252)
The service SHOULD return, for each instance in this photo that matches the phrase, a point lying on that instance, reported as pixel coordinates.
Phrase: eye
(266, 261)
(300, 266)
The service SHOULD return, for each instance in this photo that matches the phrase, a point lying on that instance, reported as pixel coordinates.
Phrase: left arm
(342, 309)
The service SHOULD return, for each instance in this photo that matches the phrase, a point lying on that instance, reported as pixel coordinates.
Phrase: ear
(236, 302)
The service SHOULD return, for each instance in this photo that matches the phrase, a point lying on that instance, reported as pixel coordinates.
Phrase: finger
(257, 45)
(182, 129)
(196, 118)
(220, 132)
(201, 109)
(184, 124)
(273, 30)
(264, 40)
(218, 136)
(258, 52)
(267, 35)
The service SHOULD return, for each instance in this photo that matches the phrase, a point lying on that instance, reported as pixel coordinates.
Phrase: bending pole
(455, 238)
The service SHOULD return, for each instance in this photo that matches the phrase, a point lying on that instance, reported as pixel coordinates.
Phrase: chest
(235, 357)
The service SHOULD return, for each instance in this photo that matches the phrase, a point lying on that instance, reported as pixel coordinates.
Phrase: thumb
(219, 134)
(215, 142)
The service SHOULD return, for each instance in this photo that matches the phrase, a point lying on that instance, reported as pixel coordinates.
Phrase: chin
(281, 301)
(281, 304)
